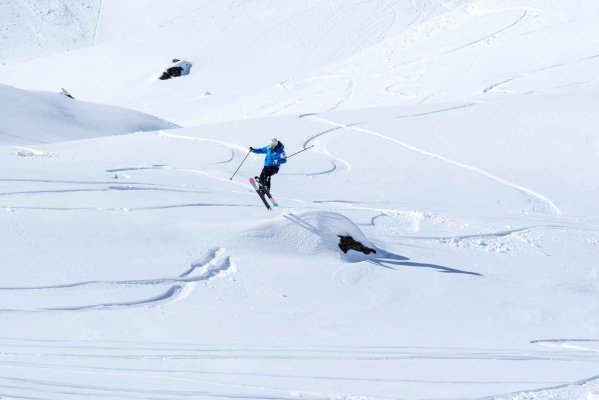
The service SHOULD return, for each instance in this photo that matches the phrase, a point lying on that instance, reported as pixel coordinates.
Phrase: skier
(275, 156)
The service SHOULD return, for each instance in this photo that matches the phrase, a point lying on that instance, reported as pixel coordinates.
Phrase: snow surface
(41, 117)
(36, 28)
(458, 138)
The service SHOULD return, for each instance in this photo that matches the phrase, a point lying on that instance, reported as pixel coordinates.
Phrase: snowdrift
(28, 117)
(305, 234)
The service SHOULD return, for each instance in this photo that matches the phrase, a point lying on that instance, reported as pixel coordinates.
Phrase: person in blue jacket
(275, 157)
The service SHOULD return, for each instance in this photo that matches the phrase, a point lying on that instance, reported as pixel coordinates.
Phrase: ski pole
(297, 152)
(235, 173)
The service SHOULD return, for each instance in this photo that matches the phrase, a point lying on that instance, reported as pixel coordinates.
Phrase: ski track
(324, 355)
(13, 207)
(191, 170)
(99, 361)
(172, 292)
(481, 235)
(71, 182)
(126, 186)
(99, 369)
(127, 169)
(553, 392)
(332, 169)
(243, 184)
(323, 150)
(125, 209)
(109, 188)
(233, 146)
(435, 111)
(524, 13)
(494, 86)
(97, 27)
(570, 344)
(214, 263)
(526, 191)
(46, 386)
(349, 94)
(471, 43)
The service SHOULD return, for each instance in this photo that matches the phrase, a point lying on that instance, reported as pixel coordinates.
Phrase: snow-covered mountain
(456, 138)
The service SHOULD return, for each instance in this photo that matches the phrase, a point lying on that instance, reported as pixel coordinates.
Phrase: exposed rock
(178, 68)
(64, 92)
(347, 243)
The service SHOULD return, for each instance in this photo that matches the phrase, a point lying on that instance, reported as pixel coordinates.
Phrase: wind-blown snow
(457, 138)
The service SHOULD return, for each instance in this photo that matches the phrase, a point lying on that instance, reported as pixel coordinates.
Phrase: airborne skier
(275, 156)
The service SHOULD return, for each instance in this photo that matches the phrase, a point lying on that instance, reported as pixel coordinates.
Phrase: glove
(276, 162)
(251, 149)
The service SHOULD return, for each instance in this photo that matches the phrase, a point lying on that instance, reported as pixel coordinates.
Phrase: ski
(256, 187)
(273, 201)
(266, 192)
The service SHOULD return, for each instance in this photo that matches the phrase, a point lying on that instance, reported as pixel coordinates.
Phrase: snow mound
(28, 117)
(306, 234)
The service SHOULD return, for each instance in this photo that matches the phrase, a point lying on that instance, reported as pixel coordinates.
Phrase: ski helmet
(274, 142)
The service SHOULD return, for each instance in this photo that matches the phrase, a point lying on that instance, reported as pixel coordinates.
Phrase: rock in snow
(305, 234)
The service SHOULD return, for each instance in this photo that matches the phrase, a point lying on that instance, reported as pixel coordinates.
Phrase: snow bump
(306, 234)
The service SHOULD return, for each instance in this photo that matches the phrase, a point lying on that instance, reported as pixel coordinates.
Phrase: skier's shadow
(385, 258)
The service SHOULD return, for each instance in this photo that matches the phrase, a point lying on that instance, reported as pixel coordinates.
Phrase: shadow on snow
(385, 258)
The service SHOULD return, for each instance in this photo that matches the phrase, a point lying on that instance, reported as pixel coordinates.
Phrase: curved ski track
(214, 263)
(526, 191)
(494, 86)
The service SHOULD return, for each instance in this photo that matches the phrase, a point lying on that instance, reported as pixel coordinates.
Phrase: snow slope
(458, 138)
(238, 48)
(178, 283)
(40, 117)
(33, 29)
(262, 57)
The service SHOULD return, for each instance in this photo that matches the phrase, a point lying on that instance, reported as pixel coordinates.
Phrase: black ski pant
(265, 175)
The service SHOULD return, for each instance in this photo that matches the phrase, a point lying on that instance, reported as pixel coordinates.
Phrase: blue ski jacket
(274, 158)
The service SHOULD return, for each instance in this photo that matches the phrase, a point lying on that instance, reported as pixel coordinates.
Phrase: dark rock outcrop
(347, 243)
(177, 68)
(64, 92)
